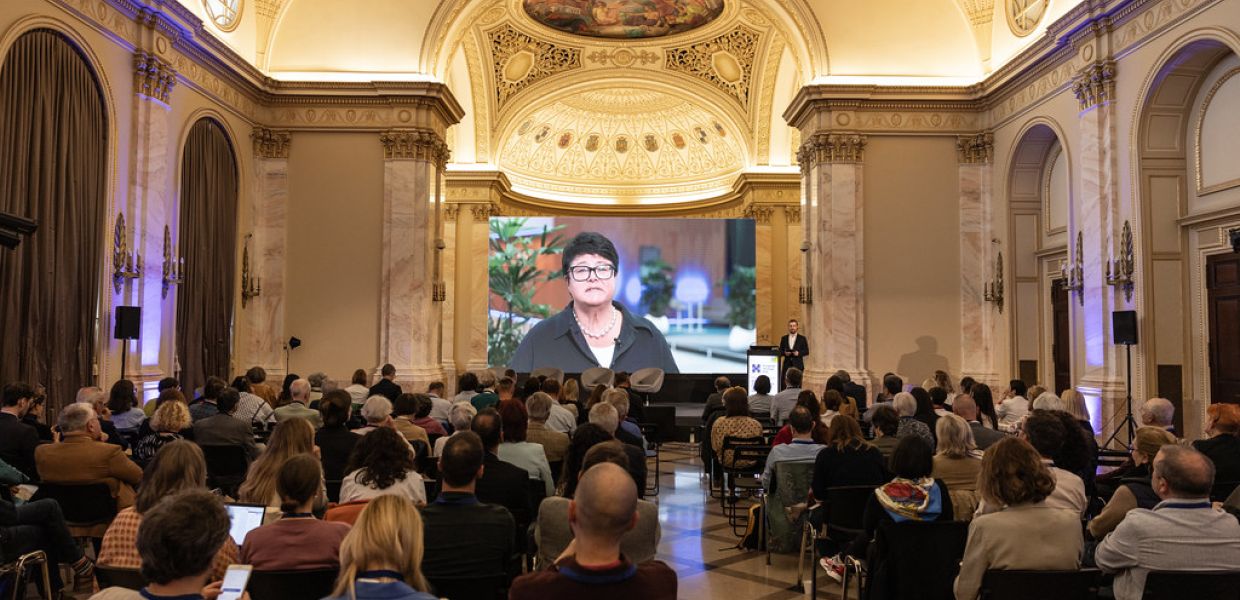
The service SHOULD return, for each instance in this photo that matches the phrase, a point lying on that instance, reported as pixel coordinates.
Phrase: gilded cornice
(831, 148)
(269, 143)
(976, 149)
(1095, 84)
(414, 144)
(153, 76)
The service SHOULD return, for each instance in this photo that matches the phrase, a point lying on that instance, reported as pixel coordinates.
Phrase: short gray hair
(955, 437)
(1188, 472)
(76, 417)
(905, 404)
(486, 378)
(1159, 409)
(462, 415)
(1047, 401)
(316, 379)
(87, 394)
(604, 415)
(377, 409)
(539, 406)
(300, 388)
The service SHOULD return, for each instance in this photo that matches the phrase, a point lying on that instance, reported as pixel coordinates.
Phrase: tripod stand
(1129, 423)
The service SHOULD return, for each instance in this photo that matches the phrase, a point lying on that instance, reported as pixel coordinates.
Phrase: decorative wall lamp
(251, 287)
(126, 263)
(439, 291)
(1120, 270)
(806, 293)
(994, 288)
(1074, 278)
(174, 266)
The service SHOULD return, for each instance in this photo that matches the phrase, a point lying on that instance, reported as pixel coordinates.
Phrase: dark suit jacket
(225, 430)
(386, 388)
(856, 392)
(802, 346)
(335, 445)
(507, 485)
(1224, 450)
(637, 467)
(984, 437)
(557, 341)
(465, 537)
(17, 443)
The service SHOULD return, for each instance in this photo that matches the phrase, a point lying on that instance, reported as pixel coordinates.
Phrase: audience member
(177, 467)
(251, 409)
(938, 397)
(983, 436)
(925, 410)
(562, 416)
(292, 437)
(206, 405)
(435, 389)
(422, 418)
(404, 411)
(98, 400)
(1158, 412)
(847, 459)
(164, 385)
(461, 417)
(178, 541)
(35, 416)
(1136, 489)
(298, 406)
(506, 388)
(297, 540)
(359, 386)
(586, 437)
(488, 548)
(81, 456)
(802, 447)
(517, 451)
(222, 429)
(1045, 432)
(440, 406)
(714, 401)
(166, 424)
(736, 423)
(760, 400)
(1074, 404)
(1014, 406)
(628, 432)
(334, 440)
(957, 463)
(886, 422)
(832, 400)
(1223, 445)
(966, 386)
(605, 416)
(318, 381)
(381, 558)
(17, 439)
(486, 396)
(552, 533)
(1046, 401)
(984, 398)
(386, 386)
(786, 399)
(377, 412)
(554, 443)
(381, 463)
(259, 386)
(906, 406)
(501, 483)
(892, 385)
(570, 398)
(123, 403)
(1028, 533)
(852, 390)
(593, 565)
(286, 389)
(466, 386)
(943, 381)
(40, 525)
(1183, 532)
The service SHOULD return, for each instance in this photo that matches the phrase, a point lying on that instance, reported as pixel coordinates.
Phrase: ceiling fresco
(634, 19)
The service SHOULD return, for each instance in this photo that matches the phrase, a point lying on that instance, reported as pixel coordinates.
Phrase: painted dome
(624, 18)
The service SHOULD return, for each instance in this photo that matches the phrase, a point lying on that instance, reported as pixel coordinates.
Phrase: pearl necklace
(599, 335)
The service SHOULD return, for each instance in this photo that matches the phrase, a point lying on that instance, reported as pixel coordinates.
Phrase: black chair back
(1200, 585)
(1222, 490)
(844, 509)
(469, 588)
(732, 445)
(664, 420)
(916, 560)
(1036, 585)
(82, 504)
(421, 455)
(333, 489)
(292, 585)
(226, 467)
(130, 579)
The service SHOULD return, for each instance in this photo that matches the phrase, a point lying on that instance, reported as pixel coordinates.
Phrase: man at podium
(792, 349)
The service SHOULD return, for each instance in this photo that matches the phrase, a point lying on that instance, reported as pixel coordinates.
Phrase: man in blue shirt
(803, 448)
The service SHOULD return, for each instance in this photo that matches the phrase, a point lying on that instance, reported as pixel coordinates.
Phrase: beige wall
(912, 256)
(335, 224)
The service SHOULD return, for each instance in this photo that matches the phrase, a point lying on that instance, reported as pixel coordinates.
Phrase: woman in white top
(358, 389)
(517, 451)
(123, 403)
(462, 417)
(381, 463)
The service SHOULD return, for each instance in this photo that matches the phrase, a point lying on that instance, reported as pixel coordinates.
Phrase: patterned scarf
(911, 500)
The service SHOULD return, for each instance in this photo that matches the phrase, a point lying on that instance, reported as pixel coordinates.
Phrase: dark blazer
(17, 443)
(558, 342)
(853, 466)
(1224, 450)
(802, 346)
(508, 486)
(386, 388)
(637, 467)
(335, 445)
(856, 392)
(983, 436)
(225, 430)
(465, 537)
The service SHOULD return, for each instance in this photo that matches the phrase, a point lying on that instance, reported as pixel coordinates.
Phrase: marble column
(264, 314)
(473, 242)
(765, 276)
(977, 258)
(412, 293)
(151, 214)
(1098, 219)
(834, 290)
(450, 216)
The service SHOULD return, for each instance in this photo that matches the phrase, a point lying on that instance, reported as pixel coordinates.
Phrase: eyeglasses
(584, 273)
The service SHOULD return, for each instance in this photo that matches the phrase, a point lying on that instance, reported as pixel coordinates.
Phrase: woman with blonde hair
(166, 424)
(291, 437)
(957, 462)
(570, 392)
(381, 558)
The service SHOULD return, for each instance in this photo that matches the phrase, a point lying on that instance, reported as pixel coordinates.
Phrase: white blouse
(410, 487)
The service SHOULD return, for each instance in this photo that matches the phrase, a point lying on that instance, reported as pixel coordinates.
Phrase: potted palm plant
(656, 280)
(741, 294)
(513, 274)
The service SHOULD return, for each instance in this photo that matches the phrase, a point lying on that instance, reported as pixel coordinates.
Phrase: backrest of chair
(664, 420)
(1111, 458)
(333, 489)
(597, 375)
(82, 504)
(291, 585)
(107, 577)
(345, 513)
(919, 559)
(225, 461)
(468, 588)
(648, 380)
(1036, 585)
(1200, 585)
(549, 373)
(744, 451)
(1223, 489)
(844, 506)
(792, 481)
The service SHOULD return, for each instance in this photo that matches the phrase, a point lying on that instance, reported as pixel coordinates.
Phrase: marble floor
(699, 543)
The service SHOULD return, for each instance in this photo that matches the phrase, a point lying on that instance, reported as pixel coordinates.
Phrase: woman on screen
(593, 330)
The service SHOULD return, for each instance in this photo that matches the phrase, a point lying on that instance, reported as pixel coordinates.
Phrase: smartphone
(235, 580)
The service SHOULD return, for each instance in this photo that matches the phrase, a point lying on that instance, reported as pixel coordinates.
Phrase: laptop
(244, 518)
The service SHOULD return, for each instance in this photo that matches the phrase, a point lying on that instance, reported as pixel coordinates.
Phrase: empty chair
(549, 373)
(597, 376)
(646, 382)
(1200, 585)
(1036, 585)
(291, 585)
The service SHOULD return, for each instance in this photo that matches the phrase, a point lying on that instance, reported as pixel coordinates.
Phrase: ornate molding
(760, 214)
(1095, 84)
(450, 211)
(792, 214)
(831, 148)
(521, 61)
(153, 76)
(623, 57)
(414, 144)
(977, 149)
(270, 143)
(726, 61)
(483, 212)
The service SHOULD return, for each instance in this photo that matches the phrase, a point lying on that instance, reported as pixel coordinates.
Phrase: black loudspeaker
(128, 322)
(1124, 326)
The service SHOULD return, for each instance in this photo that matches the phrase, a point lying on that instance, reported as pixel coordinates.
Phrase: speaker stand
(1129, 422)
(124, 356)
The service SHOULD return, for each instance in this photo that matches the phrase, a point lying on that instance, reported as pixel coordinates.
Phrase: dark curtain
(53, 168)
(208, 233)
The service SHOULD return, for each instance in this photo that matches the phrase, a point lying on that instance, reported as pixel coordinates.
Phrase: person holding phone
(178, 540)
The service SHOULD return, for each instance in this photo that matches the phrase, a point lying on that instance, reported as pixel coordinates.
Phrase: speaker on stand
(1124, 331)
(128, 326)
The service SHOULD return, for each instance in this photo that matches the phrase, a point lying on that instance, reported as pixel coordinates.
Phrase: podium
(763, 360)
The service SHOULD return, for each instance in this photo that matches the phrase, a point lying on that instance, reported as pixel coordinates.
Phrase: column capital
(1095, 84)
(760, 214)
(976, 149)
(832, 148)
(414, 144)
(153, 76)
(483, 212)
(270, 143)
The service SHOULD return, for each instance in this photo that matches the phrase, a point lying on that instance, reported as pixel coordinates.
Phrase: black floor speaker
(1124, 327)
(128, 322)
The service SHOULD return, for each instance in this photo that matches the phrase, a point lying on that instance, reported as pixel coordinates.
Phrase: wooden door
(1223, 298)
(1061, 340)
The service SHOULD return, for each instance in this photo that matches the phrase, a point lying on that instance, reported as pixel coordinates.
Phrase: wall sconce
(251, 287)
(806, 294)
(439, 290)
(126, 264)
(1074, 278)
(174, 266)
(1120, 270)
(994, 288)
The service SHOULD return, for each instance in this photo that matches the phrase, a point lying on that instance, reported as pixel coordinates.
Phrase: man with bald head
(966, 408)
(1181, 533)
(592, 566)
(299, 405)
